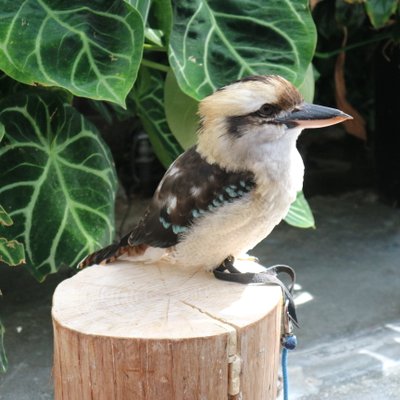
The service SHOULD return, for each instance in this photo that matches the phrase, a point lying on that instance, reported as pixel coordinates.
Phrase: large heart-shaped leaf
(91, 48)
(57, 181)
(216, 42)
(148, 96)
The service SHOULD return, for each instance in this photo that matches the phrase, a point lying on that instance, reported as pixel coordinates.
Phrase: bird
(225, 194)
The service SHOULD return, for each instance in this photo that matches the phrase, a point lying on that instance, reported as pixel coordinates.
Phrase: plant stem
(155, 65)
(153, 47)
(377, 38)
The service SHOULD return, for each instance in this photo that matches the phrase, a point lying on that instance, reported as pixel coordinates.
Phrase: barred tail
(112, 252)
(102, 256)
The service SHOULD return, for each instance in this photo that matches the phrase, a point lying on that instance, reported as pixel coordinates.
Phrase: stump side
(143, 332)
(104, 368)
(259, 347)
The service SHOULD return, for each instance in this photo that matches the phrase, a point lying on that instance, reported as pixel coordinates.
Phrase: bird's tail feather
(112, 252)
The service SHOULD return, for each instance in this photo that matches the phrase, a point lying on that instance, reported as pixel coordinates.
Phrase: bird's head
(257, 117)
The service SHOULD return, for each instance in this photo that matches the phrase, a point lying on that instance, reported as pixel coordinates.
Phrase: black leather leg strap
(227, 272)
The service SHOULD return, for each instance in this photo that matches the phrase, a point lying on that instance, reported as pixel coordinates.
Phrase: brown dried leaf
(356, 126)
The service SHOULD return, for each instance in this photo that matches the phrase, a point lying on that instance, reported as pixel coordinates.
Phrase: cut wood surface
(133, 331)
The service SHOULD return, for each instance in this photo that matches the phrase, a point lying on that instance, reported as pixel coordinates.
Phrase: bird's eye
(267, 110)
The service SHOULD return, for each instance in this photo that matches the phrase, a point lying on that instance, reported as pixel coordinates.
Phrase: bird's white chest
(235, 228)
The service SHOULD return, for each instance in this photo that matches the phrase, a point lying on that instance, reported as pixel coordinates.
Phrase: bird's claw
(228, 264)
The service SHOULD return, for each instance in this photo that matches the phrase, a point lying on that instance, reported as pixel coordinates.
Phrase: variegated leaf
(5, 218)
(216, 42)
(142, 6)
(57, 181)
(148, 96)
(11, 252)
(91, 48)
(300, 214)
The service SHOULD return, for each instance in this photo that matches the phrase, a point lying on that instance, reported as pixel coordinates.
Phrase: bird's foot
(228, 265)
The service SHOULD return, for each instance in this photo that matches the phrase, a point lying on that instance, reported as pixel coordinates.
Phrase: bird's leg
(228, 264)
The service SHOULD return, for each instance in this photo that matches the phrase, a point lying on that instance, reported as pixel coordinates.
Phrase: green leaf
(216, 42)
(307, 88)
(103, 109)
(142, 6)
(300, 214)
(154, 36)
(5, 218)
(3, 356)
(161, 16)
(11, 252)
(161, 13)
(347, 14)
(2, 131)
(181, 112)
(93, 49)
(7, 85)
(148, 96)
(380, 11)
(58, 181)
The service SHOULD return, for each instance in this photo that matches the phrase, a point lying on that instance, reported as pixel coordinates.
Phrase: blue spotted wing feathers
(190, 189)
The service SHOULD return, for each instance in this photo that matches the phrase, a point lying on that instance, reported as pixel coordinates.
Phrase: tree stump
(148, 332)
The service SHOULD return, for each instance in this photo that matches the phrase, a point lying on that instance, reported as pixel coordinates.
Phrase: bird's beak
(313, 116)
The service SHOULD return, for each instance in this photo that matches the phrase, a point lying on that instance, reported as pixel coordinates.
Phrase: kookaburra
(226, 194)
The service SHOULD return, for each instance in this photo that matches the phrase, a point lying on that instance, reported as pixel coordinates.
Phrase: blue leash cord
(289, 342)
(285, 374)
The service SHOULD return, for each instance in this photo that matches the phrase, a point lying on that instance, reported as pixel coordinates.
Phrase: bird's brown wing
(190, 188)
